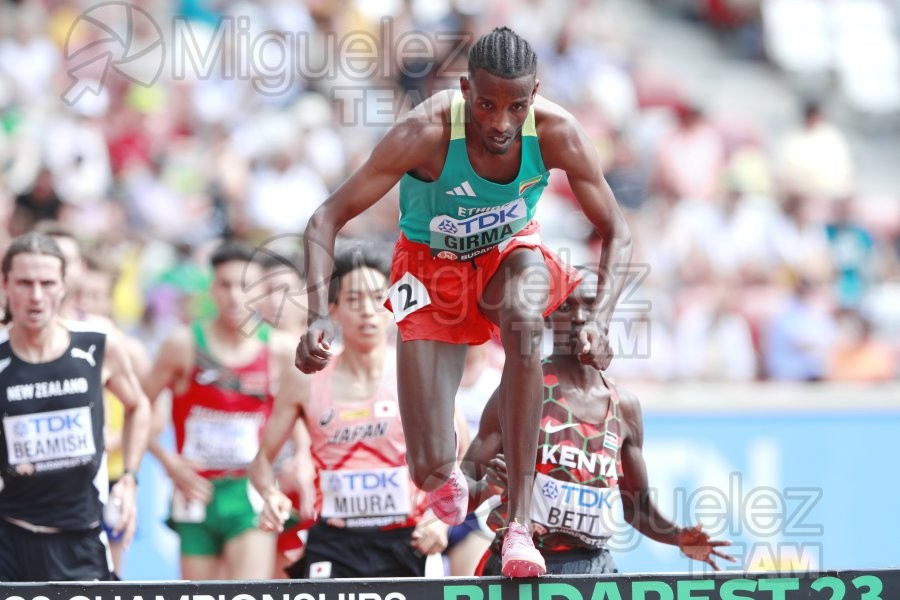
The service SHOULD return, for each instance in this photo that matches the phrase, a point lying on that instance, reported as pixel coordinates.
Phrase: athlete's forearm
(318, 242)
(262, 473)
(615, 257)
(136, 433)
(641, 512)
(165, 458)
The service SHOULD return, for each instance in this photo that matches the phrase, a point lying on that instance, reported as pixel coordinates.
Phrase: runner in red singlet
(220, 373)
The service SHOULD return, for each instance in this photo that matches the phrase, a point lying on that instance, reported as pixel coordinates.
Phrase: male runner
(88, 298)
(470, 263)
(52, 457)
(372, 521)
(589, 427)
(221, 381)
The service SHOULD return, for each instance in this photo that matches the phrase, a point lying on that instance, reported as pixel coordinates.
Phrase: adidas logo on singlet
(463, 189)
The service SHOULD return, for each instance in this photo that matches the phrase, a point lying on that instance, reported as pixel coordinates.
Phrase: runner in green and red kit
(470, 263)
(222, 383)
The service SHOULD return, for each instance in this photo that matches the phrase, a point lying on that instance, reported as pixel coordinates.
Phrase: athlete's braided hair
(503, 53)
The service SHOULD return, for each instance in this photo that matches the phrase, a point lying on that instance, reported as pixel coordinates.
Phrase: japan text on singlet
(462, 215)
(52, 458)
(360, 454)
(575, 502)
(220, 417)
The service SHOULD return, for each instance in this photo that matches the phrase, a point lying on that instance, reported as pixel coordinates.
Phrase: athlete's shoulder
(429, 121)
(550, 117)
(91, 324)
(627, 398)
(630, 411)
(434, 110)
(564, 143)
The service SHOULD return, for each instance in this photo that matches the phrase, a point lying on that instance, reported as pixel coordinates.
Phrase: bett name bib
(588, 513)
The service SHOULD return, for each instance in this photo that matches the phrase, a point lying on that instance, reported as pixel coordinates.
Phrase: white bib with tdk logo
(52, 435)
(562, 506)
(365, 493)
(221, 440)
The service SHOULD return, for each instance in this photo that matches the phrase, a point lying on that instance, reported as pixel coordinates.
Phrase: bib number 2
(407, 296)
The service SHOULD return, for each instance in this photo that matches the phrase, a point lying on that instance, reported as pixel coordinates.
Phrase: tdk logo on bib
(49, 436)
(365, 493)
(504, 214)
(585, 497)
(550, 490)
(482, 228)
(577, 495)
(362, 481)
(54, 423)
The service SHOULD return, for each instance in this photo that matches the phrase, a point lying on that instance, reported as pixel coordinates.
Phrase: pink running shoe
(520, 558)
(451, 501)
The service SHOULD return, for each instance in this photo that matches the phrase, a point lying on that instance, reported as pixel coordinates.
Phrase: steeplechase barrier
(824, 585)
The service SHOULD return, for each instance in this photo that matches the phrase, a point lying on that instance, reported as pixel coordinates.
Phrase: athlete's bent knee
(429, 470)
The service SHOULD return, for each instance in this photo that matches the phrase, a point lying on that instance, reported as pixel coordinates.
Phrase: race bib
(589, 513)
(372, 493)
(57, 435)
(470, 236)
(407, 296)
(221, 440)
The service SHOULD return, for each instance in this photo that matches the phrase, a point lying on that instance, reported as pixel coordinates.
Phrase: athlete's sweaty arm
(171, 370)
(122, 381)
(637, 503)
(406, 146)
(565, 146)
(287, 418)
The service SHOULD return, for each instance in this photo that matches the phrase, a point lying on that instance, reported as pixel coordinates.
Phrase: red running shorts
(438, 299)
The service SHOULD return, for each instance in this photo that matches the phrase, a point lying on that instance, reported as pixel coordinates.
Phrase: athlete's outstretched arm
(287, 413)
(483, 464)
(123, 382)
(566, 146)
(639, 509)
(401, 150)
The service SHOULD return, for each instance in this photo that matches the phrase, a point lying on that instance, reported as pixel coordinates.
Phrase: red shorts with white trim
(438, 299)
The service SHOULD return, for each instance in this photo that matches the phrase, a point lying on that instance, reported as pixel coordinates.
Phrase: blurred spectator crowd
(755, 257)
